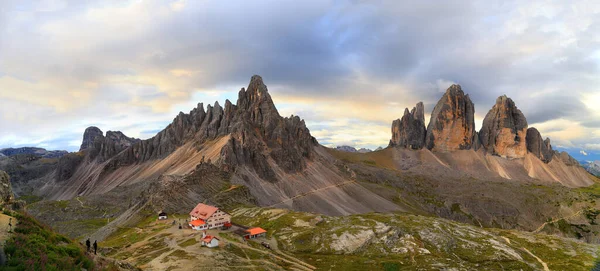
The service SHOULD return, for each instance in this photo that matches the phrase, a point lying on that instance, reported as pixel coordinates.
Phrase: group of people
(87, 244)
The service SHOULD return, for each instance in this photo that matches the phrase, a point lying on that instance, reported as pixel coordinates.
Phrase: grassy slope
(36, 247)
(394, 241)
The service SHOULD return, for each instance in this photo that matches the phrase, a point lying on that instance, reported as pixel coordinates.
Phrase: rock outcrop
(89, 136)
(95, 144)
(538, 147)
(6, 194)
(452, 125)
(504, 130)
(410, 131)
(566, 158)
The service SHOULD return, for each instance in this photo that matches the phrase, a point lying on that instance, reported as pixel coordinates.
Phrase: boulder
(504, 130)
(538, 147)
(452, 125)
(410, 131)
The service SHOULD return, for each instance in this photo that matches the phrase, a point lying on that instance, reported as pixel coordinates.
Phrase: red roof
(255, 231)
(203, 211)
(198, 222)
(209, 238)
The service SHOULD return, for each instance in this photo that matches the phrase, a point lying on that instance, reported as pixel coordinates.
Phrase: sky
(349, 68)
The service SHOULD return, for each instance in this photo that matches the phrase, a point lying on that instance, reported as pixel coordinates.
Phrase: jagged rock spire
(504, 130)
(409, 131)
(452, 125)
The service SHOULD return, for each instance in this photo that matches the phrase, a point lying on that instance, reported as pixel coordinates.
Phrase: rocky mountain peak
(89, 136)
(504, 130)
(409, 131)
(256, 102)
(255, 128)
(452, 125)
(535, 145)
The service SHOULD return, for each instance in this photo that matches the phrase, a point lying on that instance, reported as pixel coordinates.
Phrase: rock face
(255, 123)
(504, 130)
(6, 194)
(476, 142)
(410, 131)
(104, 147)
(89, 136)
(538, 147)
(452, 125)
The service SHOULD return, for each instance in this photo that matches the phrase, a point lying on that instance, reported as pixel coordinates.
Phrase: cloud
(583, 152)
(132, 65)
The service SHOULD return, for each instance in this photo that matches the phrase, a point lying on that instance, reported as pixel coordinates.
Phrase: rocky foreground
(414, 243)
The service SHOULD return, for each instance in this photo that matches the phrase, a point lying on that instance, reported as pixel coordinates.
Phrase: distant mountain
(592, 167)
(346, 148)
(32, 150)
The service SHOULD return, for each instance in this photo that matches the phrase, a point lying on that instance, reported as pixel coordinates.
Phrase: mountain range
(503, 176)
(32, 150)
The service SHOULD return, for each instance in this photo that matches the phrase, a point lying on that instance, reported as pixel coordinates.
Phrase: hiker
(95, 247)
(87, 244)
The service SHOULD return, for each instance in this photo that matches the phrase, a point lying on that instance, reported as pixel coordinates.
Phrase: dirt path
(541, 227)
(544, 265)
(313, 192)
(80, 202)
(538, 259)
(296, 262)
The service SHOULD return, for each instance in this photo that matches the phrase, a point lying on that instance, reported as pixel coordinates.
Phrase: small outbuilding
(162, 216)
(210, 241)
(255, 233)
